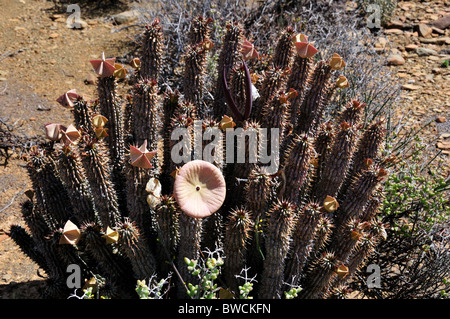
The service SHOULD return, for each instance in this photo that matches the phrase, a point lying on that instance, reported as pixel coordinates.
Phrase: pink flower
(54, 131)
(71, 135)
(304, 48)
(70, 235)
(141, 157)
(249, 51)
(104, 67)
(68, 98)
(199, 189)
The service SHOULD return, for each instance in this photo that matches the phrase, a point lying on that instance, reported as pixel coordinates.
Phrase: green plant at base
(207, 274)
(415, 212)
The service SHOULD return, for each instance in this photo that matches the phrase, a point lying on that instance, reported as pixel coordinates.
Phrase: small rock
(395, 24)
(441, 119)
(444, 135)
(393, 31)
(436, 70)
(411, 47)
(440, 40)
(443, 145)
(381, 43)
(77, 24)
(56, 16)
(7, 277)
(424, 30)
(437, 30)
(126, 17)
(53, 35)
(425, 52)
(395, 59)
(411, 87)
(43, 108)
(443, 22)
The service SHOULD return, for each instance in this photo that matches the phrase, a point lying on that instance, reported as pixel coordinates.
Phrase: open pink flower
(141, 157)
(71, 135)
(54, 131)
(68, 98)
(304, 48)
(249, 51)
(70, 235)
(199, 189)
(104, 67)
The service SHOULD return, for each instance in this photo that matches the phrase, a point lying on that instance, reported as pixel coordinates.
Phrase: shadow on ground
(22, 290)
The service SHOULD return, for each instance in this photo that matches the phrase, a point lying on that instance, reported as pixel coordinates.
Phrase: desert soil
(41, 58)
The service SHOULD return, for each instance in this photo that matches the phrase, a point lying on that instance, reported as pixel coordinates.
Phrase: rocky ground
(41, 58)
(417, 43)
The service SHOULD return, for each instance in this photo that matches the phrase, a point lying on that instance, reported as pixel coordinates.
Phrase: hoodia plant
(109, 196)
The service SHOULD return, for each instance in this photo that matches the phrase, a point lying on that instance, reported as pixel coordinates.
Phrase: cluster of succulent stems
(108, 197)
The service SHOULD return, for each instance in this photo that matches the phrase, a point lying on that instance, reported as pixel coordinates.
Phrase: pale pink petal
(199, 189)
(305, 49)
(141, 157)
(53, 131)
(71, 234)
(104, 67)
(249, 51)
(71, 135)
(135, 153)
(68, 98)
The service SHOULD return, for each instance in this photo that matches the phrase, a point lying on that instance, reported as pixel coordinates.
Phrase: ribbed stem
(26, 243)
(110, 107)
(115, 266)
(170, 104)
(167, 215)
(200, 30)
(193, 78)
(284, 51)
(315, 99)
(278, 237)
(237, 233)
(50, 194)
(274, 81)
(138, 208)
(368, 148)
(229, 55)
(298, 80)
(320, 276)
(336, 165)
(189, 247)
(74, 177)
(295, 167)
(133, 245)
(358, 195)
(146, 122)
(96, 163)
(82, 115)
(152, 46)
(303, 237)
